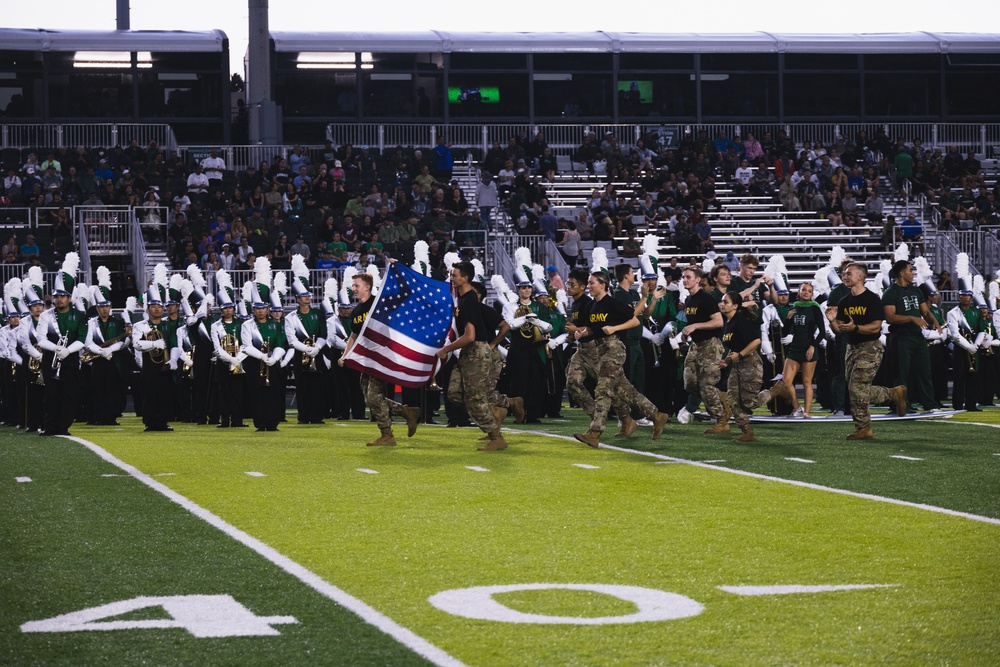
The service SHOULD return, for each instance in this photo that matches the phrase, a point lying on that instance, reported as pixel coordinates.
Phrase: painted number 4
(201, 615)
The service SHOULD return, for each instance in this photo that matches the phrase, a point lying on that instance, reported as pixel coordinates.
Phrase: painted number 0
(651, 604)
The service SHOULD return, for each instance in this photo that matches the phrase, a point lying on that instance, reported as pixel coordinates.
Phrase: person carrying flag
(374, 389)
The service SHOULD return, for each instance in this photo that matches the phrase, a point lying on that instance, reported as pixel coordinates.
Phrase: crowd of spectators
(351, 205)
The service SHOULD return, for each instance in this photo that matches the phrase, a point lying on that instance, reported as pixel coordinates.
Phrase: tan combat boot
(660, 420)
(861, 434)
(495, 443)
(412, 416)
(748, 434)
(517, 407)
(385, 440)
(726, 412)
(780, 390)
(629, 426)
(898, 395)
(591, 437)
(720, 427)
(498, 413)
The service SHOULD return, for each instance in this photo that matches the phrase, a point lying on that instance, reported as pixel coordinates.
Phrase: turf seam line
(369, 614)
(793, 482)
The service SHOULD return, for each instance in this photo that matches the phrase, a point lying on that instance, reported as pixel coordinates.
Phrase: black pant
(62, 394)
(264, 394)
(230, 388)
(310, 389)
(107, 391)
(965, 379)
(157, 394)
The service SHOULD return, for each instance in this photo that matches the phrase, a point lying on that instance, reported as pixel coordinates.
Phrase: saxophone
(86, 356)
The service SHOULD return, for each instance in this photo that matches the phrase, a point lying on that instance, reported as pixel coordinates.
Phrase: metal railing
(563, 138)
(47, 135)
(982, 247)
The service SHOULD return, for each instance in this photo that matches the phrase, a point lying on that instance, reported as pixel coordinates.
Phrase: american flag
(406, 326)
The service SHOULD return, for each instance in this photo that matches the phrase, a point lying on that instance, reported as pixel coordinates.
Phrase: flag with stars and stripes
(407, 324)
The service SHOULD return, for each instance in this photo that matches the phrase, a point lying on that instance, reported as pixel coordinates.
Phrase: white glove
(62, 353)
(16, 358)
(554, 343)
(313, 351)
(33, 353)
(288, 356)
(822, 343)
(172, 363)
(339, 343)
(785, 340)
(668, 329)
(659, 337)
(543, 326)
(114, 347)
(107, 353)
(503, 351)
(270, 361)
(929, 334)
(159, 344)
(517, 322)
(770, 357)
(188, 360)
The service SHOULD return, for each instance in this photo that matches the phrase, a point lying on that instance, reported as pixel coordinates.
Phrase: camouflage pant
(381, 406)
(611, 384)
(583, 364)
(745, 378)
(493, 396)
(468, 384)
(860, 366)
(702, 374)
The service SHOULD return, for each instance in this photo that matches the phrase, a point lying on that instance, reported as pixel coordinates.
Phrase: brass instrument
(528, 330)
(156, 355)
(232, 347)
(309, 361)
(56, 361)
(265, 370)
(187, 370)
(654, 328)
(35, 367)
(86, 356)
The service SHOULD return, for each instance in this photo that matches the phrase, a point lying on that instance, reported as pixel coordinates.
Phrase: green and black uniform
(908, 345)
(62, 392)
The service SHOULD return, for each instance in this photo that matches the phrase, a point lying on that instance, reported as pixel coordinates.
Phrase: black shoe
(317, 421)
(452, 424)
(260, 430)
(533, 421)
(272, 428)
(973, 410)
(241, 425)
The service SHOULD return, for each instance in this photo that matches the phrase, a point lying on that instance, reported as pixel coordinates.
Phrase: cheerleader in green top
(805, 325)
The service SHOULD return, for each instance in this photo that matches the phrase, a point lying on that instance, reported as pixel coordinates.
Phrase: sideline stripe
(793, 482)
(404, 636)
(793, 589)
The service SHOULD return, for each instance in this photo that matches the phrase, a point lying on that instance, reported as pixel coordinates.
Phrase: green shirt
(907, 302)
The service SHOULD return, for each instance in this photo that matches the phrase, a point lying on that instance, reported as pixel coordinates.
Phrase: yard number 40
(201, 615)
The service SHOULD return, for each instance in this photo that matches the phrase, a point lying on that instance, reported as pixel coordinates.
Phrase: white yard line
(793, 482)
(367, 613)
(477, 469)
(798, 460)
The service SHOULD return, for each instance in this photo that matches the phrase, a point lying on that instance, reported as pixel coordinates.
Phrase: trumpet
(529, 330)
(56, 361)
(35, 368)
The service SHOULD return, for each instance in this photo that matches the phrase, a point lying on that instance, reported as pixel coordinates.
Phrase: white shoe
(643, 422)
(838, 413)
(684, 416)
(799, 414)
(778, 378)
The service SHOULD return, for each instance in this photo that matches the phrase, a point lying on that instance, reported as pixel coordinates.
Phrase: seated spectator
(631, 246)
(29, 248)
(703, 231)
(300, 247)
(873, 207)
(944, 282)
(913, 233)
(281, 254)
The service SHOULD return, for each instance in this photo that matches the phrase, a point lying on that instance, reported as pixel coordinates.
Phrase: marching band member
(229, 352)
(305, 330)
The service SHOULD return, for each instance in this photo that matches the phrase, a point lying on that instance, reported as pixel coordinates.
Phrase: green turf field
(353, 543)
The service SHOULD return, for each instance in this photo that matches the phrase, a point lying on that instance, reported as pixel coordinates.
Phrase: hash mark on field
(23, 479)
(587, 466)
(367, 471)
(255, 474)
(478, 468)
(798, 460)
(715, 461)
(905, 458)
(164, 474)
(111, 474)
(666, 463)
